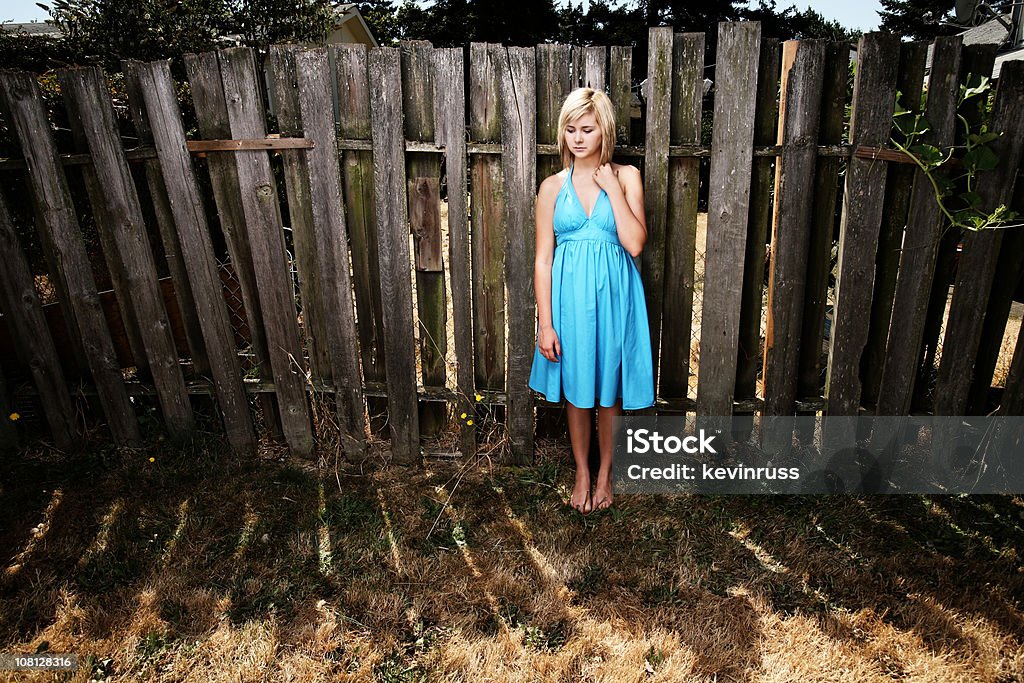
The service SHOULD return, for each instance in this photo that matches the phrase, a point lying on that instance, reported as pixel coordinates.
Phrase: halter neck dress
(598, 311)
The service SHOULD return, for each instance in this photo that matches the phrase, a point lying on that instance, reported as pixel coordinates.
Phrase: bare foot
(580, 499)
(603, 493)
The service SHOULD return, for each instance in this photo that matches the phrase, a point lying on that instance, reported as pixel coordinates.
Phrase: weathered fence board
(161, 104)
(681, 225)
(393, 251)
(65, 249)
(353, 91)
(519, 165)
(823, 219)
(924, 227)
(619, 91)
(86, 93)
(19, 301)
(732, 146)
(450, 131)
(981, 250)
(652, 258)
(899, 184)
(266, 239)
(873, 99)
(487, 216)
(302, 92)
(803, 65)
(185, 303)
(423, 174)
(749, 357)
(594, 66)
(207, 91)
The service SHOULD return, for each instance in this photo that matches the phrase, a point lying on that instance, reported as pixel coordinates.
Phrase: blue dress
(598, 312)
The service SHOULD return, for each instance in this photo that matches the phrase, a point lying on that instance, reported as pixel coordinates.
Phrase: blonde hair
(580, 102)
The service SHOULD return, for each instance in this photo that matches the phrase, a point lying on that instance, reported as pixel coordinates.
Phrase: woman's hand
(607, 178)
(547, 342)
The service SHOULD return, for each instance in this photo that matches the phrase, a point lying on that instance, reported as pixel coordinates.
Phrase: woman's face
(583, 136)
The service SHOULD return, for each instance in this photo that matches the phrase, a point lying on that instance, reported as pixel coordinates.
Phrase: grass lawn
(201, 567)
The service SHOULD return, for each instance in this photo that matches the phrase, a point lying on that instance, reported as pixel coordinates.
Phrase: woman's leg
(606, 444)
(580, 421)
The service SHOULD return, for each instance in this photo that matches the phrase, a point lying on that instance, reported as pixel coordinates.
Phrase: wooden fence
(371, 316)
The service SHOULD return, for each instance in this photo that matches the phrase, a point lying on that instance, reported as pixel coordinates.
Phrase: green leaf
(971, 199)
(980, 158)
(976, 84)
(912, 126)
(930, 155)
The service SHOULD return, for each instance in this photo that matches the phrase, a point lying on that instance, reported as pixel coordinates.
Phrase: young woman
(593, 339)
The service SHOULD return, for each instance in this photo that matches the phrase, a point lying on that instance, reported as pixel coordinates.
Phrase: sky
(860, 14)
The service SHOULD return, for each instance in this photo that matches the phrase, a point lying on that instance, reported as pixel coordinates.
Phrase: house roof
(992, 32)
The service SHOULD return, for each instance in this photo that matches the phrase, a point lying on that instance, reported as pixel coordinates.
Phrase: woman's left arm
(626, 194)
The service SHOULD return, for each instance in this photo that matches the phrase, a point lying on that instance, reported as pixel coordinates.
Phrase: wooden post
(732, 147)
(519, 165)
(87, 97)
(65, 249)
(659, 106)
(874, 94)
(266, 239)
(160, 99)
(487, 218)
(450, 131)
(19, 300)
(353, 89)
(981, 250)
(424, 195)
(211, 114)
(925, 224)
(393, 251)
(165, 221)
(681, 224)
(302, 92)
(802, 73)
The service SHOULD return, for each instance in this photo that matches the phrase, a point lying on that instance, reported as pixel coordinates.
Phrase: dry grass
(199, 567)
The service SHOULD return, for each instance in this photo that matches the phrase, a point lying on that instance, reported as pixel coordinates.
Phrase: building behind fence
(369, 303)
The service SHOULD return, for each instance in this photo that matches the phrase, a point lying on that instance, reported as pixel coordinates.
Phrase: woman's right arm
(547, 340)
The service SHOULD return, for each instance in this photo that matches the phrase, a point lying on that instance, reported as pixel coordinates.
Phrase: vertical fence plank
(165, 223)
(9, 441)
(732, 149)
(803, 70)
(353, 89)
(873, 98)
(393, 251)
(519, 164)
(266, 239)
(749, 359)
(620, 90)
(826, 191)
(424, 195)
(681, 228)
(450, 131)
(65, 249)
(595, 59)
(659, 107)
(487, 216)
(85, 92)
(981, 250)
(899, 184)
(924, 228)
(976, 59)
(19, 300)
(319, 228)
(211, 113)
(159, 97)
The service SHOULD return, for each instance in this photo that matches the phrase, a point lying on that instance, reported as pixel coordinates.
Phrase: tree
(925, 19)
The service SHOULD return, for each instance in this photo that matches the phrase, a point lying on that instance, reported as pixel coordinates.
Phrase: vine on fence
(956, 194)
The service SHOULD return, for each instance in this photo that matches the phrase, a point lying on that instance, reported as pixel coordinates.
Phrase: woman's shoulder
(554, 181)
(627, 169)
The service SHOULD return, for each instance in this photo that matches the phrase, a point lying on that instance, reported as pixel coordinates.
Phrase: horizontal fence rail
(344, 245)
